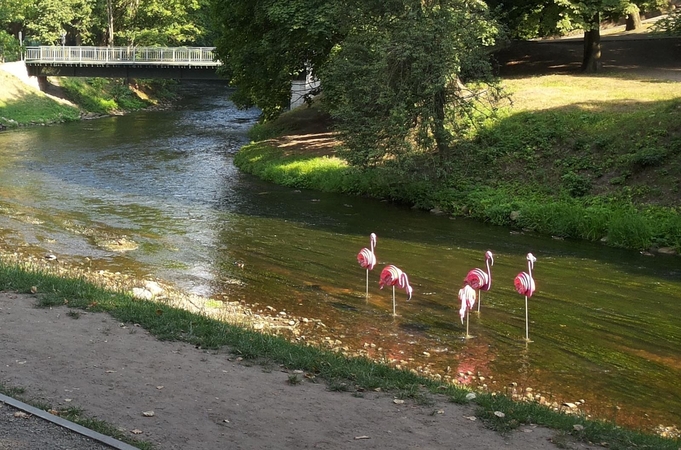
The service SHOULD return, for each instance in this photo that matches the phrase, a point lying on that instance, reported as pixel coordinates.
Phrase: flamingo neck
(489, 275)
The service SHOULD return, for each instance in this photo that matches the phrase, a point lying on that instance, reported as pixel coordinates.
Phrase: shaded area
(641, 56)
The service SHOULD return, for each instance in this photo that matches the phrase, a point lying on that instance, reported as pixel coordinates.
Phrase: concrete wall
(301, 87)
(18, 69)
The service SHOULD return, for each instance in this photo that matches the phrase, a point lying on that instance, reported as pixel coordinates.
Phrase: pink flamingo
(391, 276)
(367, 259)
(467, 297)
(524, 284)
(480, 280)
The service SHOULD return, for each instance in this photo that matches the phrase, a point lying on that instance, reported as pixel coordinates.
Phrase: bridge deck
(121, 56)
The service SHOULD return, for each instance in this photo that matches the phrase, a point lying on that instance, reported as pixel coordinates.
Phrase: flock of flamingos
(477, 280)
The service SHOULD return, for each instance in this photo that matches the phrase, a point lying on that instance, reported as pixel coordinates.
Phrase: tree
(394, 84)
(47, 20)
(264, 44)
(390, 69)
(533, 18)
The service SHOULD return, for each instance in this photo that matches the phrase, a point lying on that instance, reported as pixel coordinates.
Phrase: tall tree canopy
(390, 70)
(112, 22)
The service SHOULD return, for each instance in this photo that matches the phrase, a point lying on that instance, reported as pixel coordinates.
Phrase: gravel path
(20, 431)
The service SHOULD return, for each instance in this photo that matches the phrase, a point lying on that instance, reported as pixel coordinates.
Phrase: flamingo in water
(524, 284)
(480, 280)
(391, 276)
(367, 259)
(467, 297)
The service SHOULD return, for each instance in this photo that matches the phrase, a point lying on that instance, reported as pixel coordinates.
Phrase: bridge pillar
(42, 82)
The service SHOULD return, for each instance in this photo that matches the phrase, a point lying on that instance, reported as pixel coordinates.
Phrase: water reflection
(604, 321)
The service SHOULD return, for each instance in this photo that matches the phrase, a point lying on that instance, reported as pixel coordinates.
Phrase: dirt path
(209, 400)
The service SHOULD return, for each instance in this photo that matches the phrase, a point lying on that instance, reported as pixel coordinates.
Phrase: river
(605, 324)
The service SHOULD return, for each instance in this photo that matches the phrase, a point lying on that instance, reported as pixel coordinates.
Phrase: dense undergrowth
(592, 158)
(109, 95)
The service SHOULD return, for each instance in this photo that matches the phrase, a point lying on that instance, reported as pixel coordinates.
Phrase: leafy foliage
(391, 71)
(265, 44)
(148, 22)
(670, 25)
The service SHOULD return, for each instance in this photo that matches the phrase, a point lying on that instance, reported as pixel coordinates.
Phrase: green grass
(341, 373)
(22, 105)
(103, 95)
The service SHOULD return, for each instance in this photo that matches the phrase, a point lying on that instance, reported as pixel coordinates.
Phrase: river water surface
(605, 323)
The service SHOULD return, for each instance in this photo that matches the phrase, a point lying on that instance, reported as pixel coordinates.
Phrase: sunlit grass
(24, 104)
(555, 91)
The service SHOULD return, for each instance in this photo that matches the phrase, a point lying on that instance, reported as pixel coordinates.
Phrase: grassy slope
(576, 156)
(22, 104)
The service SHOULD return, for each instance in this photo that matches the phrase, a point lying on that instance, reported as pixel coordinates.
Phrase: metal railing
(185, 56)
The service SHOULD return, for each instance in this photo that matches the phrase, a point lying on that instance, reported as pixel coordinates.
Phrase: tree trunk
(438, 129)
(110, 31)
(592, 46)
(634, 21)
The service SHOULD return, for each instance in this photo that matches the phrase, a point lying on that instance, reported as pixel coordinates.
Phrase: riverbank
(572, 156)
(110, 371)
(23, 102)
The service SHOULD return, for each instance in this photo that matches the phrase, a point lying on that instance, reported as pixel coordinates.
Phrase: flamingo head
(489, 256)
(531, 259)
(372, 238)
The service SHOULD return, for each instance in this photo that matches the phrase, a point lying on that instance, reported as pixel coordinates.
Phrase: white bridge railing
(184, 56)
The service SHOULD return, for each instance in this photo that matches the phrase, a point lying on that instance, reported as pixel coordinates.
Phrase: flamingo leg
(527, 322)
(394, 314)
(367, 292)
(479, 298)
(467, 315)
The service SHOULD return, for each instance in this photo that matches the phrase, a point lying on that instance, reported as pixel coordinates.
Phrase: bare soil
(208, 400)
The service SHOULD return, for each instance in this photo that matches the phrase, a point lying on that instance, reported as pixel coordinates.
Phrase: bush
(670, 25)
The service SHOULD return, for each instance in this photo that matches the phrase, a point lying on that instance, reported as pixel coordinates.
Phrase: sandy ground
(209, 400)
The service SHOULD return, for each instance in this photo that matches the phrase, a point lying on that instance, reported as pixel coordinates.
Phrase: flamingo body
(478, 278)
(392, 276)
(467, 297)
(366, 257)
(524, 285)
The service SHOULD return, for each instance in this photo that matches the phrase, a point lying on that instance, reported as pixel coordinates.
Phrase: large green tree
(395, 84)
(265, 43)
(154, 22)
(390, 70)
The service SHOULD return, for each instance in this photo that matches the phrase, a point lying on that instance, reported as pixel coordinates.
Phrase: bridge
(123, 62)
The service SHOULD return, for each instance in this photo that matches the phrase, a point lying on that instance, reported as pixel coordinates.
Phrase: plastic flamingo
(367, 259)
(480, 280)
(524, 284)
(467, 297)
(391, 276)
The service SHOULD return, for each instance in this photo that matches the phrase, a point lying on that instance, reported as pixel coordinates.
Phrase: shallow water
(604, 323)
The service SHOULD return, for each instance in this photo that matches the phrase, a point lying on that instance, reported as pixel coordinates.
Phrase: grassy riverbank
(341, 373)
(21, 104)
(585, 157)
(69, 99)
